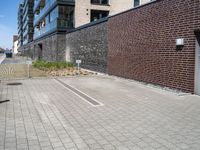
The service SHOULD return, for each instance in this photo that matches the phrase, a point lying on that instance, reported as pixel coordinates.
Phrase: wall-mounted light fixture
(180, 43)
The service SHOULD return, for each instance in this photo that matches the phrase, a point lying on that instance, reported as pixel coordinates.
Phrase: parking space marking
(83, 96)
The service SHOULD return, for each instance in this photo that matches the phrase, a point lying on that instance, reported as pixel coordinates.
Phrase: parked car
(8, 54)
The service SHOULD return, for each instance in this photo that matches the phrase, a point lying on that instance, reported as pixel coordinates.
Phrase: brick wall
(142, 43)
(89, 44)
(138, 44)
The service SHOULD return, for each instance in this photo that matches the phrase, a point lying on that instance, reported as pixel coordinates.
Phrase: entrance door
(197, 68)
(40, 51)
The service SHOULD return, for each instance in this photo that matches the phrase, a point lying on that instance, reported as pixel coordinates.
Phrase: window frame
(100, 2)
(134, 5)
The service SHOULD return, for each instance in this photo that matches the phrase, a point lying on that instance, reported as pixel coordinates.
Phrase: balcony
(25, 32)
(48, 7)
(54, 25)
(36, 4)
(44, 11)
(25, 42)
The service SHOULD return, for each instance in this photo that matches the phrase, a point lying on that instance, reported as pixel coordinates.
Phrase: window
(100, 2)
(66, 16)
(98, 14)
(136, 3)
(47, 18)
(53, 14)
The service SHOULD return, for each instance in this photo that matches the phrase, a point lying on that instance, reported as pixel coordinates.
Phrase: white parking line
(80, 94)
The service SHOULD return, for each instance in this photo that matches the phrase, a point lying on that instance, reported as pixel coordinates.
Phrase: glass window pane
(136, 3)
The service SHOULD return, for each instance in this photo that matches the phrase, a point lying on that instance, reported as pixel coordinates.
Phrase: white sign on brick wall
(78, 61)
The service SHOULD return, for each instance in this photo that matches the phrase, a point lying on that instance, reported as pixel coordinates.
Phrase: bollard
(28, 71)
(78, 64)
(29, 63)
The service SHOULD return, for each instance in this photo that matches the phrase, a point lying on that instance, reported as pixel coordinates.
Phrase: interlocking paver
(42, 114)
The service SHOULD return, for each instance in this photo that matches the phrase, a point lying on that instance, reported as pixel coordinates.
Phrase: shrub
(44, 65)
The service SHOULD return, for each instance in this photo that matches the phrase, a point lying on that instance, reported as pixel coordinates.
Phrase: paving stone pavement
(44, 115)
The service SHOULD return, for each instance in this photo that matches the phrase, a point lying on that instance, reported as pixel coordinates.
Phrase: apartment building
(61, 16)
(87, 11)
(15, 44)
(39, 18)
(45, 23)
(52, 16)
(20, 24)
(27, 21)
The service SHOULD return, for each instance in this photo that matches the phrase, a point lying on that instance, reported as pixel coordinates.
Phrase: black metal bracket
(4, 101)
(197, 34)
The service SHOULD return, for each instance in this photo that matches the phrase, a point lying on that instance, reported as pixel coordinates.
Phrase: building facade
(87, 11)
(15, 44)
(157, 43)
(28, 21)
(40, 18)
(46, 22)
(52, 16)
(20, 24)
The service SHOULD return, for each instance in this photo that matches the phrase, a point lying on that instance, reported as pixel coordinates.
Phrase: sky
(8, 22)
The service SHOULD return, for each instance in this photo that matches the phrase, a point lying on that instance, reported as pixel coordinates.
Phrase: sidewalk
(2, 57)
(45, 115)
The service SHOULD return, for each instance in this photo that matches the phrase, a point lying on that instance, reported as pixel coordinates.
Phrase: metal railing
(57, 23)
(36, 4)
(44, 11)
(52, 25)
